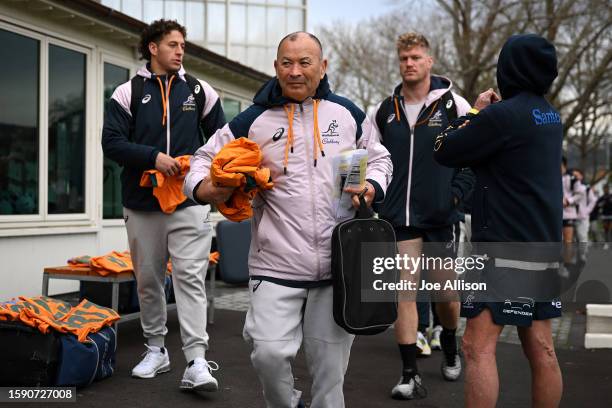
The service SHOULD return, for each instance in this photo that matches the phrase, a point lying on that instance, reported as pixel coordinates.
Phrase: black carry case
(101, 294)
(27, 357)
(352, 312)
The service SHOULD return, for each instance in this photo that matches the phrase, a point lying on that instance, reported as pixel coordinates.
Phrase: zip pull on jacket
(165, 95)
(290, 112)
(317, 134)
(166, 108)
(317, 144)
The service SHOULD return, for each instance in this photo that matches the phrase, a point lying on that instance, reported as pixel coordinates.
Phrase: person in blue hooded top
(513, 144)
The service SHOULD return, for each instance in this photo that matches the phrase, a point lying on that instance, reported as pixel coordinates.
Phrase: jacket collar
(439, 85)
(144, 71)
(270, 94)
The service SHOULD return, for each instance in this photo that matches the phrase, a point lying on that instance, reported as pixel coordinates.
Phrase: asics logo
(146, 98)
(279, 133)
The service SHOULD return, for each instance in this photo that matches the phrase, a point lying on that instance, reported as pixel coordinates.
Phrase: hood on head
(270, 94)
(527, 62)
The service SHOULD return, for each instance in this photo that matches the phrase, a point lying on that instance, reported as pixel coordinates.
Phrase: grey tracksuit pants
(184, 236)
(279, 319)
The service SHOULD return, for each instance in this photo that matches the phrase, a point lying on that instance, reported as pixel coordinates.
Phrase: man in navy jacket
(514, 148)
(149, 129)
(421, 204)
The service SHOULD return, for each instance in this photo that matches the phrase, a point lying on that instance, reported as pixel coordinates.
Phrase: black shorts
(569, 223)
(440, 241)
(513, 313)
(516, 292)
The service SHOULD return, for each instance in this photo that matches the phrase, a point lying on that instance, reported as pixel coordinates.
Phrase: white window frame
(11, 224)
(104, 58)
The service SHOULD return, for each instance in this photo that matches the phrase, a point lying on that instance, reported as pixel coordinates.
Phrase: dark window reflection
(18, 124)
(231, 108)
(112, 208)
(66, 189)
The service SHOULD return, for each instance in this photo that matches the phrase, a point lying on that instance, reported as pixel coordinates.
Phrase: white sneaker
(423, 348)
(434, 338)
(155, 362)
(409, 388)
(198, 376)
(451, 373)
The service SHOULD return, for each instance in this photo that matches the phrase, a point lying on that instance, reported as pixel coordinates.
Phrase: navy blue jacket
(422, 193)
(514, 149)
(180, 136)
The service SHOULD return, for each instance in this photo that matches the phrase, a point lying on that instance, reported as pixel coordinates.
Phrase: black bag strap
(449, 105)
(137, 83)
(382, 114)
(198, 93)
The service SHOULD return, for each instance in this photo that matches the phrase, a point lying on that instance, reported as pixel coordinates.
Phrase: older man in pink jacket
(300, 125)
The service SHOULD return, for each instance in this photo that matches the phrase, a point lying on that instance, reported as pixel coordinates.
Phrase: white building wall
(28, 245)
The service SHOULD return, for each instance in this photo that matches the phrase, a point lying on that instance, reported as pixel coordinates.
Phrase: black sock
(422, 329)
(449, 344)
(408, 353)
(436, 318)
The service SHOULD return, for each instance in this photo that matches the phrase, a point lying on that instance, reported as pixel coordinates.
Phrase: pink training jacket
(573, 192)
(293, 222)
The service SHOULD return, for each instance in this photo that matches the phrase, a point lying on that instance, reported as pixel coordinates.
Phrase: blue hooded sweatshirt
(514, 148)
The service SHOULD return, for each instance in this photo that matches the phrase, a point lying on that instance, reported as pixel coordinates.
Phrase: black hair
(155, 32)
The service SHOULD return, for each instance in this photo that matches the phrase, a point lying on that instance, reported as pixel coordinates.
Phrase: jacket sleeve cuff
(153, 157)
(379, 195)
(195, 197)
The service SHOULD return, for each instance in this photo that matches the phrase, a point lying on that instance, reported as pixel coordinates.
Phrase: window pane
(66, 189)
(153, 10)
(132, 9)
(18, 124)
(217, 48)
(276, 25)
(238, 54)
(295, 20)
(231, 107)
(116, 4)
(215, 26)
(270, 57)
(237, 24)
(256, 32)
(112, 208)
(175, 10)
(195, 21)
(256, 58)
(295, 2)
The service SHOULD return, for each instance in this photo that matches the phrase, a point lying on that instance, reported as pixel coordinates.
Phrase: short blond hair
(409, 40)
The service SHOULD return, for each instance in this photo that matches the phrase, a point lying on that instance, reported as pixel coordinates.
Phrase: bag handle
(363, 212)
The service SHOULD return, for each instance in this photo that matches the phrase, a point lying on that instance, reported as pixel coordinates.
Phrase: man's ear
(153, 48)
(323, 68)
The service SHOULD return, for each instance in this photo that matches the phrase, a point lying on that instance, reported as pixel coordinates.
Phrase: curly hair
(154, 32)
(409, 40)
